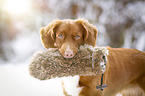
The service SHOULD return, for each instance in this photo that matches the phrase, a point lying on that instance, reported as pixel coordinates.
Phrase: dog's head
(68, 35)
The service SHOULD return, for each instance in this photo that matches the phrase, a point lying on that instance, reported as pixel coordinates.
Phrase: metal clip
(101, 87)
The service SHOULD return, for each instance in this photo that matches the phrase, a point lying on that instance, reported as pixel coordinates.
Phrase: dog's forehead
(71, 24)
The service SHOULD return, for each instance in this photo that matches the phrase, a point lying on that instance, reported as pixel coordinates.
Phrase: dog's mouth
(71, 57)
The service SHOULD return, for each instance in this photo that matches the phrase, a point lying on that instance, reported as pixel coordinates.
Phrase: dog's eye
(77, 37)
(61, 36)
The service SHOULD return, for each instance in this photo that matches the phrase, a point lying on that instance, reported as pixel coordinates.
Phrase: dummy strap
(101, 86)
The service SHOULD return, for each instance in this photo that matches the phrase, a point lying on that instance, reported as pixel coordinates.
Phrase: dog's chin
(68, 57)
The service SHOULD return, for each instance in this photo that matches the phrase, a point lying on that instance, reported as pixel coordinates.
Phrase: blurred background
(120, 23)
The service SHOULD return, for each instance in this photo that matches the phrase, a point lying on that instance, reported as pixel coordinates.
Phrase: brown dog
(125, 71)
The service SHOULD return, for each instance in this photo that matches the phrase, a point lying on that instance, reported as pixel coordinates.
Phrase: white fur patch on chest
(71, 85)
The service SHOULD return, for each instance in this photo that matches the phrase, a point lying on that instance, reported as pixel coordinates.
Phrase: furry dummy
(50, 64)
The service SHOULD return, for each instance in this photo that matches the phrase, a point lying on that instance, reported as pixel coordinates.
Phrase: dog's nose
(69, 54)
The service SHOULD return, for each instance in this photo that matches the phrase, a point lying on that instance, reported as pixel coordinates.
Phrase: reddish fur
(125, 67)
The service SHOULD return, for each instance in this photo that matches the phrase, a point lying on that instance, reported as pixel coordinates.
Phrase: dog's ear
(48, 34)
(90, 32)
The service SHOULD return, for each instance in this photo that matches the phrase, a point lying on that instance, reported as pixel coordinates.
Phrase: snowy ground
(16, 81)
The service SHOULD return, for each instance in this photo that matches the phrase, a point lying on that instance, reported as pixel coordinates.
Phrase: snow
(22, 47)
(141, 42)
(16, 81)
